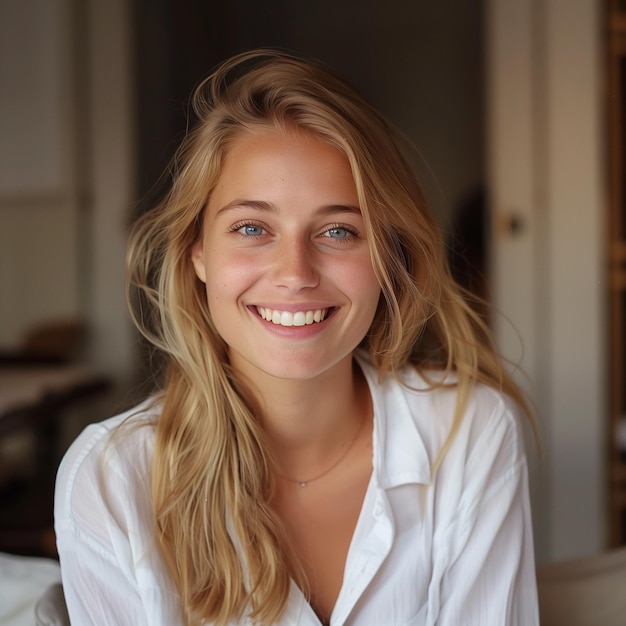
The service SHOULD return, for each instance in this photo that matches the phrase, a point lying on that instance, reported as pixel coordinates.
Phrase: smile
(287, 318)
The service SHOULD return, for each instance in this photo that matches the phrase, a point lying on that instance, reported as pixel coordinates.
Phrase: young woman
(336, 441)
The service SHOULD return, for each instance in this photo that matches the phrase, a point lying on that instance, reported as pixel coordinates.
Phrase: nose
(294, 265)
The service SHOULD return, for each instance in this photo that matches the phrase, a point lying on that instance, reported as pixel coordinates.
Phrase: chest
(376, 572)
(321, 522)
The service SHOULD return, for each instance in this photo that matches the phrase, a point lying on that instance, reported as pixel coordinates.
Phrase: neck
(308, 423)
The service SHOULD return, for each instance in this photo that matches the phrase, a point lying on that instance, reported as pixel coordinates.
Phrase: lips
(289, 318)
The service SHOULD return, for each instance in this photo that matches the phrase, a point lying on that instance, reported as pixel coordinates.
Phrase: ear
(197, 258)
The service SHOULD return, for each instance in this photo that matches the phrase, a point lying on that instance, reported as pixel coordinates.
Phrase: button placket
(368, 556)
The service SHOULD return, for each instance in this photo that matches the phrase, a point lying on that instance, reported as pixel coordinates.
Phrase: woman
(336, 440)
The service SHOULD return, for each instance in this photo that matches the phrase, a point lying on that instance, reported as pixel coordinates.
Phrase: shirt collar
(400, 456)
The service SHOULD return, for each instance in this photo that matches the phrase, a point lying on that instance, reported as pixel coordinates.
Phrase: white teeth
(287, 318)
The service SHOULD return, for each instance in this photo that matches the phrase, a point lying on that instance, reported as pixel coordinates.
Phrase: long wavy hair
(211, 476)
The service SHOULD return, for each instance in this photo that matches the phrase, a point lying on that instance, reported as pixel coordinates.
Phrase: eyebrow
(261, 205)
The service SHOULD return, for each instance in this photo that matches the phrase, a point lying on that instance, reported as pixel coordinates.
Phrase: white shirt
(449, 548)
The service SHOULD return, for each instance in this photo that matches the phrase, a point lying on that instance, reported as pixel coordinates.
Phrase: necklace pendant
(303, 484)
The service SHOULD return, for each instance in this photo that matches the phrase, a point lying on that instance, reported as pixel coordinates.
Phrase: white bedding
(23, 580)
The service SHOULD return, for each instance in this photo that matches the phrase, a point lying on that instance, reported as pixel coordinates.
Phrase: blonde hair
(211, 482)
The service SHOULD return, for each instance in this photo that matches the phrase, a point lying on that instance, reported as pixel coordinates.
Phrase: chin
(292, 366)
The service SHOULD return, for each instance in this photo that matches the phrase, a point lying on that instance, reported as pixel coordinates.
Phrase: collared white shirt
(448, 548)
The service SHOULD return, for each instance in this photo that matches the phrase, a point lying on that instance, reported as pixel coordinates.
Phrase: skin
(283, 238)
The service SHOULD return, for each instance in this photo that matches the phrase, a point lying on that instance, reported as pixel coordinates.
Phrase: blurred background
(517, 109)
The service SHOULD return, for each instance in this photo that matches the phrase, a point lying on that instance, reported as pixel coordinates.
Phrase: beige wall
(66, 146)
(38, 216)
(546, 168)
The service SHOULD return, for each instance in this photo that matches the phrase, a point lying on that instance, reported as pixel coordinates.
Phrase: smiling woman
(281, 234)
(336, 441)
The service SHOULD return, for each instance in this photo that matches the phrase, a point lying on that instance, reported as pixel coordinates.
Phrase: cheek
(372, 293)
(228, 278)
(363, 280)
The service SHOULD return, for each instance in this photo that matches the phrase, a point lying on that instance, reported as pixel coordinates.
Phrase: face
(285, 258)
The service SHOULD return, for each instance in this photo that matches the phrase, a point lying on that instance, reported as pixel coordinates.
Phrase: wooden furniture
(52, 341)
(34, 394)
(616, 139)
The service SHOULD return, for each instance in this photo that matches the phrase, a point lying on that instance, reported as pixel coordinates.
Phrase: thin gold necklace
(305, 483)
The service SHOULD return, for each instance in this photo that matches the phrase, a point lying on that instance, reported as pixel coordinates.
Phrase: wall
(113, 190)
(38, 215)
(66, 182)
(546, 171)
(576, 346)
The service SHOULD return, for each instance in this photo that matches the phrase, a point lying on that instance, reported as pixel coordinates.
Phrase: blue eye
(338, 233)
(341, 233)
(250, 230)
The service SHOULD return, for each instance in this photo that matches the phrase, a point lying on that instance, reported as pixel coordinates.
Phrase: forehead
(274, 164)
(270, 140)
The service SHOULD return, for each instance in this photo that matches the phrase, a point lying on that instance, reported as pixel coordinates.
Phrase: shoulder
(110, 445)
(476, 452)
(423, 408)
(104, 477)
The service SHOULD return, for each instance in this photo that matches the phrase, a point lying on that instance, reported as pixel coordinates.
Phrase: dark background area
(420, 63)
